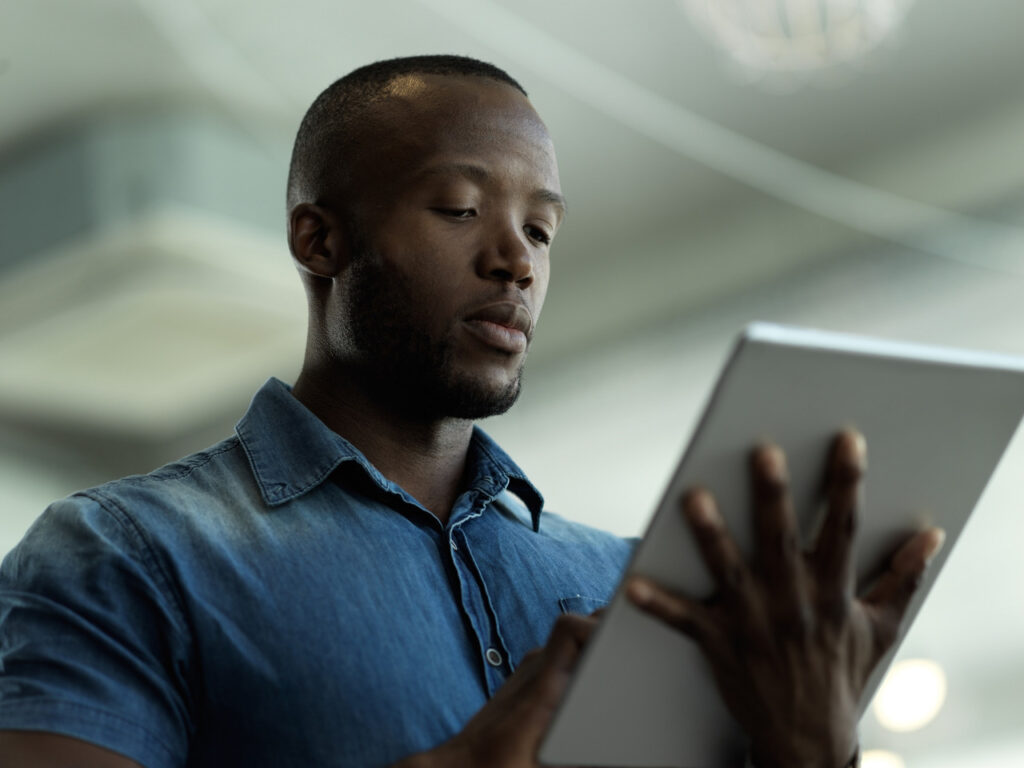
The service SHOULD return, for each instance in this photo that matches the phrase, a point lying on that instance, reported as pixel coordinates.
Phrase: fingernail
(771, 463)
(639, 591)
(938, 538)
(854, 448)
(699, 507)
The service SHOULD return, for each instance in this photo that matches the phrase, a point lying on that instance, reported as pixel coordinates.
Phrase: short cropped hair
(330, 129)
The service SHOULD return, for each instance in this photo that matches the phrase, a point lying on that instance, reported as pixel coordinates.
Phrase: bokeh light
(911, 695)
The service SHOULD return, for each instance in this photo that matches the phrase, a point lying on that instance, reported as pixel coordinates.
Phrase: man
(358, 576)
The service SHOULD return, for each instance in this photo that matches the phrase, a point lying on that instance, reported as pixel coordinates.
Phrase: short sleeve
(92, 643)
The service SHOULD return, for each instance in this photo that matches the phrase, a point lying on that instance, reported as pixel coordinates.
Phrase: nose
(507, 257)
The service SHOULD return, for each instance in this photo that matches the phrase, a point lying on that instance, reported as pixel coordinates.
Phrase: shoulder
(216, 479)
(138, 536)
(554, 526)
(135, 519)
(198, 473)
(146, 518)
(574, 541)
(560, 528)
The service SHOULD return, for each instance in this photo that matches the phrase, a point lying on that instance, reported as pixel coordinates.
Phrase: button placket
(476, 604)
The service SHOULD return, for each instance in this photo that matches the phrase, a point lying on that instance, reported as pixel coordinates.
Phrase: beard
(418, 373)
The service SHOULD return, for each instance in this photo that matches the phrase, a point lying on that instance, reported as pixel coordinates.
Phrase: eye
(537, 234)
(457, 213)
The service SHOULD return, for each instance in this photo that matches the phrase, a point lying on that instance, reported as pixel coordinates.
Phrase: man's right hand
(506, 733)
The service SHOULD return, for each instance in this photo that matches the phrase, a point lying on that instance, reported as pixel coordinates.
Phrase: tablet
(936, 421)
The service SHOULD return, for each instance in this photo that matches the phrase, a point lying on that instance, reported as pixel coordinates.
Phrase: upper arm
(92, 645)
(30, 749)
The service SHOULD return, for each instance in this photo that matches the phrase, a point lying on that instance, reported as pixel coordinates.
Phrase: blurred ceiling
(144, 280)
(144, 144)
(687, 182)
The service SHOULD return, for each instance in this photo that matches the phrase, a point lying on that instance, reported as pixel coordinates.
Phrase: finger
(717, 547)
(891, 595)
(688, 616)
(833, 550)
(568, 636)
(778, 549)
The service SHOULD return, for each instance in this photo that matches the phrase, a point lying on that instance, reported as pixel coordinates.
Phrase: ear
(317, 240)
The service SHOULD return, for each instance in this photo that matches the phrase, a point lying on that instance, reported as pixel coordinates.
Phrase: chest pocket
(581, 604)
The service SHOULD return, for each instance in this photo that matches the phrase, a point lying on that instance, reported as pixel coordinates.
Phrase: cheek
(424, 292)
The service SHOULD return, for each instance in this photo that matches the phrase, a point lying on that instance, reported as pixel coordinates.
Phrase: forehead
(426, 119)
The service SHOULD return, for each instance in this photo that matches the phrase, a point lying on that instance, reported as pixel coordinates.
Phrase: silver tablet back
(936, 421)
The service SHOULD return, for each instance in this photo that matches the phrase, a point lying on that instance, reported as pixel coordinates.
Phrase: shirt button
(493, 656)
(455, 547)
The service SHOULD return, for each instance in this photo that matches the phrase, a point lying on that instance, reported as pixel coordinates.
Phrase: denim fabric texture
(275, 601)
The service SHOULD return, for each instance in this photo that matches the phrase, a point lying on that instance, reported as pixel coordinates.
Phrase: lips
(505, 326)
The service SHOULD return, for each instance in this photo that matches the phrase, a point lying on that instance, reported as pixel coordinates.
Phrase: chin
(471, 398)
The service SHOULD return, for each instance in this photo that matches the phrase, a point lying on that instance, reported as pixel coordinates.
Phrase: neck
(425, 456)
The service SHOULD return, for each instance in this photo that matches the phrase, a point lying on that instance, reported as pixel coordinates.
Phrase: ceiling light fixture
(784, 42)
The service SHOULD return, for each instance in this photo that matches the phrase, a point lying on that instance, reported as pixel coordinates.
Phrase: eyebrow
(481, 175)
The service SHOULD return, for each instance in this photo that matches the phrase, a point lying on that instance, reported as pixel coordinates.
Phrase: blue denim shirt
(276, 601)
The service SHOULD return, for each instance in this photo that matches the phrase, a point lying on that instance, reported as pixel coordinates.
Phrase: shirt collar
(487, 458)
(291, 452)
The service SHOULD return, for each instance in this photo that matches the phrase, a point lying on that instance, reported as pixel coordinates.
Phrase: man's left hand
(790, 644)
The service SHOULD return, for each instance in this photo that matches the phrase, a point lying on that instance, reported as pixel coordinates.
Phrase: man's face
(458, 207)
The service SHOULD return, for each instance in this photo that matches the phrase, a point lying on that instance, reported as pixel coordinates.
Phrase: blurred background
(853, 165)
